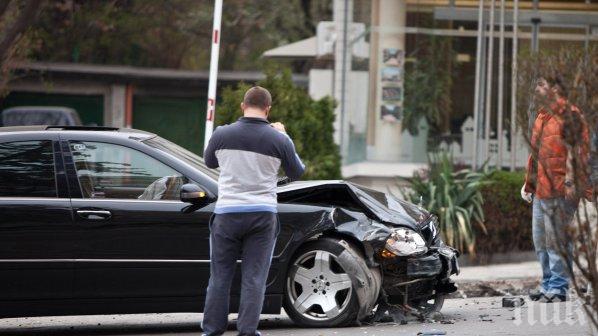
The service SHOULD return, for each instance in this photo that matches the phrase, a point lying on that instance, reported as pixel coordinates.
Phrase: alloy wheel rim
(318, 287)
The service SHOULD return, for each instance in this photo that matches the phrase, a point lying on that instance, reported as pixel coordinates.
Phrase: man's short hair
(257, 97)
(555, 79)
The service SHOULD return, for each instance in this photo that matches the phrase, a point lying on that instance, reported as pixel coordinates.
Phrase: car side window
(113, 171)
(27, 169)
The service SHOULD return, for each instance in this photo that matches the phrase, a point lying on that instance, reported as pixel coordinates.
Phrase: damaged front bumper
(438, 263)
(404, 277)
(420, 277)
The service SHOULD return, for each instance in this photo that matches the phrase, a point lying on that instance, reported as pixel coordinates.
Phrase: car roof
(92, 129)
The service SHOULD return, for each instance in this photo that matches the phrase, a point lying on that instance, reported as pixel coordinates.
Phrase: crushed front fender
(366, 280)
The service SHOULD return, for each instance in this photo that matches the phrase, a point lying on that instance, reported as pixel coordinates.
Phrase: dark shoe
(552, 298)
(535, 294)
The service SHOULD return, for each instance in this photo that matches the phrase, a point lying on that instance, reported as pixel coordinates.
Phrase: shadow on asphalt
(175, 328)
(161, 329)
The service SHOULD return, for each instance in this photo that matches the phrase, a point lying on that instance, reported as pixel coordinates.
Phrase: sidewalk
(523, 270)
(497, 280)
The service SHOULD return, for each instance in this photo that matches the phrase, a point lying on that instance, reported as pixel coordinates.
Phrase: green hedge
(508, 217)
(309, 122)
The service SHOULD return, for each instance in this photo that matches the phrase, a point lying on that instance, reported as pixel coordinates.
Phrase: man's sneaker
(552, 298)
(535, 294)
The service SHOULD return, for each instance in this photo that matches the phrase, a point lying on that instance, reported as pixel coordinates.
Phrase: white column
(478, 92)
(489, 73)
(501, 83)
(343, 18)
(114, 106)
(514, 134)
(392, 14)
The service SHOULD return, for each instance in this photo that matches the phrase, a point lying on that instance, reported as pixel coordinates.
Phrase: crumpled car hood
(379, 206)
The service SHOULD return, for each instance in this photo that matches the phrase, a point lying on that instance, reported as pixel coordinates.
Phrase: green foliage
(309, 122)
(508, 218)
(454, 196)
(170, 34)
(428, 83)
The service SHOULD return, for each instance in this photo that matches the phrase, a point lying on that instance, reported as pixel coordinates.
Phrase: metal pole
(535, 27)
(532, 110)
(514, 85)
(211, 109)
(478, 70)
(489, 68)
(588, 33)
(501, 83)
(343, 100)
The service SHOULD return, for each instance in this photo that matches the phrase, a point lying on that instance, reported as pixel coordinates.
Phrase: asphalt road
(474, 316)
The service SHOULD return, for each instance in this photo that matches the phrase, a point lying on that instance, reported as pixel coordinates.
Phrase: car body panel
(36, 232)
(379, 206)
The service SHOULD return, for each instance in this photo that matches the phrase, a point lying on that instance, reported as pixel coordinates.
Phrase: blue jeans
(551, 218)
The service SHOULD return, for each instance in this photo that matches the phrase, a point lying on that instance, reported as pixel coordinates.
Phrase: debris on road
(469, 289)
(485, 318)
(431, 333)
(511, 302)
(399, 314)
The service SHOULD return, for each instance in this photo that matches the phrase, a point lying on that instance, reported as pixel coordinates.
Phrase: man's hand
(279, 127)
(526, 195)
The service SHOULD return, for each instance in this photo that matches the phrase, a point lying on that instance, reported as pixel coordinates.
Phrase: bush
(508, 218)
(309, 122)
(454, 196)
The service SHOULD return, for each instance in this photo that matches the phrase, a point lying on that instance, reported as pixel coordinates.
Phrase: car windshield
(182, 154)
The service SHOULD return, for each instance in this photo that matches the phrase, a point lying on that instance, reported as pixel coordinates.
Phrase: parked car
(105, 220)
(39, 115)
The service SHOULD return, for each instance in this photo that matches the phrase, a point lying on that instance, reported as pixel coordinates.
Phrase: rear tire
(318, 292)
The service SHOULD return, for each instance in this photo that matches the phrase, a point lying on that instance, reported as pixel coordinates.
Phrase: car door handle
(94, 214)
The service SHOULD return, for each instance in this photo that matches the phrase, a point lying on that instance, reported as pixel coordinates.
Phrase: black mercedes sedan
(98, 220)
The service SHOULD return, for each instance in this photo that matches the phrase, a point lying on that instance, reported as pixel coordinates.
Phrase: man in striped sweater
(245, 225)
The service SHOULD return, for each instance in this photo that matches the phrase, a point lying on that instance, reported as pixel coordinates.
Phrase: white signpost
(211, 109)
(327, 37)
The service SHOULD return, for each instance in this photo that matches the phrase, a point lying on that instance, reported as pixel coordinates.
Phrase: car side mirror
(196, 195)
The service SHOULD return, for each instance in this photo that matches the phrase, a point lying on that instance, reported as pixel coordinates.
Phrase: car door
(37, 236)
(137, 241)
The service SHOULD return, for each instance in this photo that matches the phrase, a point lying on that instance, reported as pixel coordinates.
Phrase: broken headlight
(405, 242)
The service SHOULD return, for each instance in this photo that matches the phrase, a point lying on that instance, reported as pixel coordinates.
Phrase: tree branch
(26, 17)
(3, 6)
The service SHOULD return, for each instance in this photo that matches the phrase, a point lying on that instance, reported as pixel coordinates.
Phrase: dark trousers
(251, 238)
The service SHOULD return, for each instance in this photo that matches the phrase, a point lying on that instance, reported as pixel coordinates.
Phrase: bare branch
(3, 6)
(27, 16)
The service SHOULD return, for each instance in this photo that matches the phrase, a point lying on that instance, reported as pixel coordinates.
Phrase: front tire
(430, 306)
(318, 291)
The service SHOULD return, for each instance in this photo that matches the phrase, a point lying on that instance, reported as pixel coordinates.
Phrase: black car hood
(377, 205)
